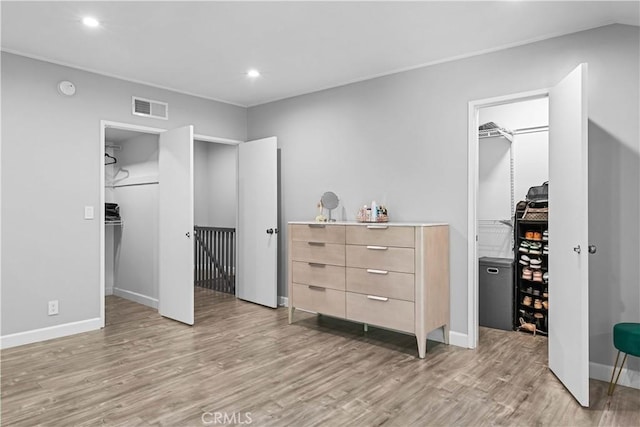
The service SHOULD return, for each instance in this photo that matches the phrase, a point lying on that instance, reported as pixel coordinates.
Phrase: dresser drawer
(328, 276)
(381, 282)
(318, 252)
(381, 258)
(381, 311)
(318, 233)
(380, 234)
(319, 299)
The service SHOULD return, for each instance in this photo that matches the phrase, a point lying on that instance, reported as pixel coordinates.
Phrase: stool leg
(612, 385)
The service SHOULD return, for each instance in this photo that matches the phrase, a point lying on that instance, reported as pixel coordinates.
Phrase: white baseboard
(458, 339)
(48, 333)
(602, 372)
(136, 297)
(283, 301)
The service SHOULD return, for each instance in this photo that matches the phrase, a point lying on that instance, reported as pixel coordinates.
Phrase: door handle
(577, 249)
(269, 230)
(592, 249)
(188, 235)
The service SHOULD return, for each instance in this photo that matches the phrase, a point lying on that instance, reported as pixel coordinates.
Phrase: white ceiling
(205, 48)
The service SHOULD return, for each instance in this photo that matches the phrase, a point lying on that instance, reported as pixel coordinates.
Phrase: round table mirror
(329, 201)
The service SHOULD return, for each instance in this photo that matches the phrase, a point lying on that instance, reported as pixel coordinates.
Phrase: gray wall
(136, 242)
(215, 176)
(402, 140)
(50, 171)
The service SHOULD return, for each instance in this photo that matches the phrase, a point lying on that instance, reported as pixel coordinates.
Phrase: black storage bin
(496, 292)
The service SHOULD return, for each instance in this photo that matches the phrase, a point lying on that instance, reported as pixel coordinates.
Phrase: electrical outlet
(53, 307)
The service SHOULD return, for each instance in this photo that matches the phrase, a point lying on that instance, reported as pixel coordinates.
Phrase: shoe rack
(531, 275)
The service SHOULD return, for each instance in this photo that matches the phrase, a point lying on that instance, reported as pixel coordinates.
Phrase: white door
(175, 219)
(568, 234)
(258, 221)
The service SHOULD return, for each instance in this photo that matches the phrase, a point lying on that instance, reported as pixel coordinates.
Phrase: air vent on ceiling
(149, 108)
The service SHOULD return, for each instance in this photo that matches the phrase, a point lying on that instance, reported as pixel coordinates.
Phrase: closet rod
(132, 184)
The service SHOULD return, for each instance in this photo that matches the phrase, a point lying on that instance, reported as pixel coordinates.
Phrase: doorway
(513, 156)
(568, 339)
(130, 236)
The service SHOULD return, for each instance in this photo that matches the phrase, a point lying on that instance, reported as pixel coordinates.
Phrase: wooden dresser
(391, 275)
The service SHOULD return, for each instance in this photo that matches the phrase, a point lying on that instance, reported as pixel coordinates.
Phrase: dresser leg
(445, 331)
(422, 346)
(366, 327)
(291, 309)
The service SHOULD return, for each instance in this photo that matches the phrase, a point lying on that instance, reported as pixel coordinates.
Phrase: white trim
(472, 191)
(459, 339)
(628, 378)
(117, 76)
(108, 290)
(436, 62)
(50, 332)
(283, 301)
(136, 297)
(101, 222)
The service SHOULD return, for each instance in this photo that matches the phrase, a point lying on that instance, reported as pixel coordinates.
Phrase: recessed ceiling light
(253, 73)
(90, 21)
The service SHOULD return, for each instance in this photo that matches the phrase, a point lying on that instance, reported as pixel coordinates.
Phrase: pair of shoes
(531, 327)
(534, 248)
(528, 235)
(536, 292)
(537, 276)
(526, 300)
(545, 277)
(545, 293)
(545, 249)
(545, 304)
(535, 263)
(527, 273)
(537, 304)
(545, 235)
(524, 260)
(537, 236)
(524, 247)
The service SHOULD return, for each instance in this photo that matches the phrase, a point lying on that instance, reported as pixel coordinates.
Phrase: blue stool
(626, 338)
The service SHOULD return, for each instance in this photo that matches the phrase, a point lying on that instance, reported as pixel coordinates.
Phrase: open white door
(175, 219)
(568, 234)
(258, 221)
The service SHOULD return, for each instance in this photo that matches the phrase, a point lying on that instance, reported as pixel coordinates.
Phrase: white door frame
(472, 193)
(104, 124)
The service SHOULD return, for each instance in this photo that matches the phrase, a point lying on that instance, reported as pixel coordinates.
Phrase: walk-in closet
(132, 215)
(512, 242)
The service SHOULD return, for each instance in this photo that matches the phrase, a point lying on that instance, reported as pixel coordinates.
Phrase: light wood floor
(245, 360)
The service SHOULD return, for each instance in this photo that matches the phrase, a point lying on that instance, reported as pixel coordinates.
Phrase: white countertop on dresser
(390, 224)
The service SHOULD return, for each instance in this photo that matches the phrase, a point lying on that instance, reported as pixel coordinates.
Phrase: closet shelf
(114, 222)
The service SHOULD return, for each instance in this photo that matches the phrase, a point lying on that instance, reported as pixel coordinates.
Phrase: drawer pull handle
(369, 270)
(377, 227)
(316, 243)
(375, 298)
(492, 270)
(316, 264)
(317, 226)
(316, 288)
(378, 248)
